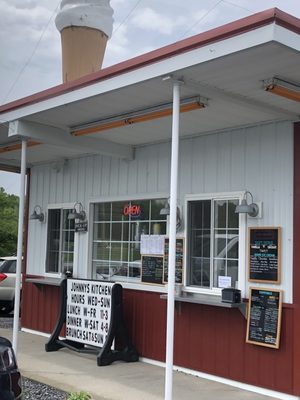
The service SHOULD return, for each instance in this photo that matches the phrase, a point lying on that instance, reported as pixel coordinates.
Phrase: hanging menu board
(264, 317)
(179, 260)
(152, 269)
(264, 254)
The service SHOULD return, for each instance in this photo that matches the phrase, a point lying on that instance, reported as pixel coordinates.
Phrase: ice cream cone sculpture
(85, 27)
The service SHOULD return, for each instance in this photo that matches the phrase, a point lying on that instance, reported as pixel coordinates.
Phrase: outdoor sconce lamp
(245, 208)
(77, 212)
(166, 211)
(37, 214)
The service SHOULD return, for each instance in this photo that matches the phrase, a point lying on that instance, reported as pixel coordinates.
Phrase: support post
(172, 242)
(20, 246)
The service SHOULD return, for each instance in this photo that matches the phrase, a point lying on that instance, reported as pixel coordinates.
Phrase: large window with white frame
(117, 230)
(213, 235)
(60, 241)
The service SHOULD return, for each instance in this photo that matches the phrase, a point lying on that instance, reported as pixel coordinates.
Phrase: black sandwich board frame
(117, 330)
(265, 268)
(258, 320)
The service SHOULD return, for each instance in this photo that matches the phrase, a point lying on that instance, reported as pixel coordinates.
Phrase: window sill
(44, 281)
(206, 299)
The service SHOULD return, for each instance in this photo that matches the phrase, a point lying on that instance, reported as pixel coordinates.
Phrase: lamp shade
(72, 214)
(165, 210)
(245, 208)
(80, 214)
(76, 215)
(37, 214)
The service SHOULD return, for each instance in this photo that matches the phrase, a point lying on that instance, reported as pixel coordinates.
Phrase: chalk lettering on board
(264, 320)
(264, 254)
(152, 269)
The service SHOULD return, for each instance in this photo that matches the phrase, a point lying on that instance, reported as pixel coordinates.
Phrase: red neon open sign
(132, 210)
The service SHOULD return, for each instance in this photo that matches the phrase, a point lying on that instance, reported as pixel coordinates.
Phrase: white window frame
(143, 196)
(242, 241)
(60, 206)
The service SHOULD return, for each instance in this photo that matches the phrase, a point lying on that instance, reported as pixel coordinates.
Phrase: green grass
(79, 396)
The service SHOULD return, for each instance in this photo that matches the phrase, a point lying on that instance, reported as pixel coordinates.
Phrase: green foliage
(79, 396)
(9, 205)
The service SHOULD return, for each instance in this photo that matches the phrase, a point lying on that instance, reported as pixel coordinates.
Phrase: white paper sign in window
(152, 244)
(224, 281)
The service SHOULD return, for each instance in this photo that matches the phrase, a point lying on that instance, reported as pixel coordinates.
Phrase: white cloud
(151, 20)
(118, 48)
(10, 182)
(116, 3)
(146, 25)
(27, 39)
(23, 4)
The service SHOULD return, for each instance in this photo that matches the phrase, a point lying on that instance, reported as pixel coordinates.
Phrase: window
(213, 242)
(9, 266)
(60, 242)
(117, 230)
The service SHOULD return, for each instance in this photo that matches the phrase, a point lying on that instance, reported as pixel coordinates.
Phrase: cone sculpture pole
(85, 27)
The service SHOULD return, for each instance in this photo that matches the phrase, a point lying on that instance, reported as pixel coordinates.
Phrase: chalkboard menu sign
(81, 226)
(264, 254)
(152, 269)
(179, 260)
(264, 317)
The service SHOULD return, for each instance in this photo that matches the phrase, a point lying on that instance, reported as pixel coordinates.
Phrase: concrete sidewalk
(71, 371)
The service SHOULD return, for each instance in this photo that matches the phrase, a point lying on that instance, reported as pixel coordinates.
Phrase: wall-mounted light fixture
(166, 211)
(148, 114)
(37, 214)
(251, 209)
(77, 212)
(283, 87)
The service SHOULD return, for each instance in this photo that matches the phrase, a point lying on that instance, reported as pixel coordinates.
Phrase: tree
(9, 206)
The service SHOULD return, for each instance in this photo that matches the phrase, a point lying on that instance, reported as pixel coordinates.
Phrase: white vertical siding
(164, 157)
(223, 162)
(238, 160)
(259, 159)
(185, 170)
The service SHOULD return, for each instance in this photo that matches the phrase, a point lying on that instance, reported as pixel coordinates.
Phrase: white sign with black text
(88, 311)
(152, 244)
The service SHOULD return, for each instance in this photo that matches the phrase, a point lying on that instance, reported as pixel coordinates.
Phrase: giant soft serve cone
(85, 27)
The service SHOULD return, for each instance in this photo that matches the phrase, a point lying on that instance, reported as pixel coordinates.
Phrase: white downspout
(20, 246)
(172, 242)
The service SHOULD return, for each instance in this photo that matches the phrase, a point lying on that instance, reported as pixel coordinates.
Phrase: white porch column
(20, 246)
(172, 242)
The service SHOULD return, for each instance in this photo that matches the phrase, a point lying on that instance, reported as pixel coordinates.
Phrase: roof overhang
(225, 67)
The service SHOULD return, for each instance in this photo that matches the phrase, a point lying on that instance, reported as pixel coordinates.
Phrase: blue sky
(31, 44)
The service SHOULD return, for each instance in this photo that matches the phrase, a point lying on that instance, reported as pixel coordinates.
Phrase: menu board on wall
(264, 254)
(179, 260)
(264, 317)
(152, 269)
